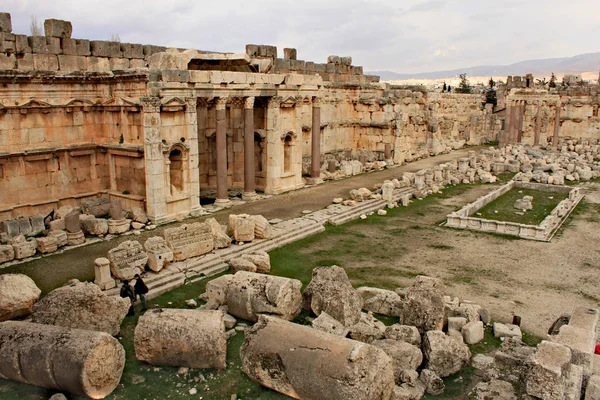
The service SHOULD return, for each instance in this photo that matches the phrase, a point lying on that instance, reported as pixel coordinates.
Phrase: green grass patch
(502, 209)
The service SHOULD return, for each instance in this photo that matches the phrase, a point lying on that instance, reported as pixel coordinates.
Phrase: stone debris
(260, 259)
(18, 294)
(548, 367)
(250, 294)
(507, 330)
(242, 227)
(216, 291)
(81, 305)
(381, 301)
(330, 290)
(526, 203)
(219, 233)
(368, 329)
(434, 385)
(22, 247)
(127, 260)
(191, 303)
(327, 323)
(281, 355)
(403, 333)
(262, 227)
(424, 305)
(181, 338)
(81, 362)
(493, 390)
(159, 254)
(188, 241)
(404, 356)
(473, 332)
(444, 355)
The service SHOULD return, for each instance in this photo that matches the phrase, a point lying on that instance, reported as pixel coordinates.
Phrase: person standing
(127, 292)
(140, 290)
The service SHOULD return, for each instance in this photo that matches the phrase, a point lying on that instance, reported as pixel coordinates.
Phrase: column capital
(274, 102)
(150, 104)
(249, 102)
(316, 101)
(221, 102)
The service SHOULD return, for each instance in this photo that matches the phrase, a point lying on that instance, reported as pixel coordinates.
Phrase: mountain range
(545, 67)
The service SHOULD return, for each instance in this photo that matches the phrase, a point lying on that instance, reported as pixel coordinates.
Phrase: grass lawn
(502, 209)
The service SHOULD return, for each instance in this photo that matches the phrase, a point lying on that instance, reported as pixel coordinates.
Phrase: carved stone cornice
(274, 102)
(249, 102)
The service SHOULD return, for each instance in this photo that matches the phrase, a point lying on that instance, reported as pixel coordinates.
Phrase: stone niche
(127, 259)
(189, 240)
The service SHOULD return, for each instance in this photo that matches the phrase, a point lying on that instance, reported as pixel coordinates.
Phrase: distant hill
(560, 66)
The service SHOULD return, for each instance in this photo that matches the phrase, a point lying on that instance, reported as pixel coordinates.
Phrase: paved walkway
(56, 269)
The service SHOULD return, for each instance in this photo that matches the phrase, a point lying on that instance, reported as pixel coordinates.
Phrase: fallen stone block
(434, 385)
(473, 332)
(188, 241)
(330, 290)
(215, 294)
(592, 390)
(494, 389)
(127, 260)
(424, 304)
(260, 259)
(81, 305)
(367, 330)
(250, 294)
(444, 355)
(81, 362)
(327, 323)
(262, 227)
(548, 366)
(18, 294)
(404, 333)
(159, 254)
(507, 330)
(7, 253)
(281, 355)
(22, 247)
(241, 264)
(181, 338)
(220, 237)
(381, 301)
(242, 227)
(404, 356)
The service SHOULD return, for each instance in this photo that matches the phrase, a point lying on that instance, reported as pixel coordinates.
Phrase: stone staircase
(366, 207)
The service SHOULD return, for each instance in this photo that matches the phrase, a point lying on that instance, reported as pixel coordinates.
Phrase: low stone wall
(462, 219)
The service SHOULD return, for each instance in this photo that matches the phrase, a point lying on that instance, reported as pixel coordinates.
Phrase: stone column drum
(315, 170)
(249, 173)
(305, 363)
(81, 362)
(222, 196)
(556, 126)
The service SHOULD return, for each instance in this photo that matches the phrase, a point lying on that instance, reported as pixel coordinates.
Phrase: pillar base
(223, 203)
(76, 238)
(196, 211)
(249, 196)
(314, 181)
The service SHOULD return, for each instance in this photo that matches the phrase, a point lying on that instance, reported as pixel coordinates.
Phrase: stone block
(189, 240)
(175, 75)
(7, 43)
(94, 226)
(290, 54)
(102, 48)
(127, 259)
(44, 45)
(98, 64)
(8, 61)
(5, 22)
(131, 50)
(506, 330)
(45, 62)
(75, 47)
(136, 63)
(25, 62)
(592, 390)
(148, 50)
(159, 254)
(580, 341)
(585, 318)
(456, 323)
(23, 248)
(473, 332)
(118, 64)
(58, 28)
(242, 227)
(216, 291)
(381, 301)
(24, 226)
(61, 238)
(404, 333)
(10, 227)
(327, 323)
(545, 375)
(22, 44)
(181, 338)
(72, 63)
(333, 60)
(47, 244)
(444, 355)
(7, 253)
(37, 224)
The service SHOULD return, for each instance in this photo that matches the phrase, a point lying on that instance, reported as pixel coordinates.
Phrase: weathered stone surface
(456, 323)
(473, 332)
(219, 233)
(250, 294)
(72, 224)
(7, 253)
(47, 244)
(159, 254)
(22, 247)
(116, 210)
(444, 355)
(181, 338)
(524, 204)
(37, 225)
(281, 355)
(367, 329)
(61, 237)
(507, 330)
(215, 294)
(93, 226)
(404, 356)
(548, 366)
(118, 226)
(18, 293)
(81, 362)
(409, 392)
(139, 215)
(262, 227)
(493, 390)
(24, 226)
(592, 390)
(58, 28)
(102, 274)
(424, 304)
(434, 385)
(10, 227)
(188, 241)
(241, 264)
(127, 259)
(5, 22)
(330, 290)
(404, 333)
(97, 207)
(260, 259)
(327, 323)
(81, 305)
(381, 301)
(242, 227)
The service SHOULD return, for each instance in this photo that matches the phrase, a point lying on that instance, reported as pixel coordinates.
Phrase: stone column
(538, 125)
(156, 206)
(222, 197)
(556, 126)
(102, 274)
(507, 124)
(274, 151)
(249, 173)
(191, 119)
(315, 170)
(112, 173)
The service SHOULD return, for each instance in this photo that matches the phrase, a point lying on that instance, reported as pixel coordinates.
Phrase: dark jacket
(127, 291)
(140, 287)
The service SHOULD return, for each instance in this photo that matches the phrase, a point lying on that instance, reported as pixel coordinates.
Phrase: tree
(490, 93)
(444, 88)
(552, 82)
(35, 27)
(464, 86)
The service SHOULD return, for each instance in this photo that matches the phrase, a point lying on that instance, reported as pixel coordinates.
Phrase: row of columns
(249, 172)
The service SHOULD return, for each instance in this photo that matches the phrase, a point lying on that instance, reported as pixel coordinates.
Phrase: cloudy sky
(396, 35)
